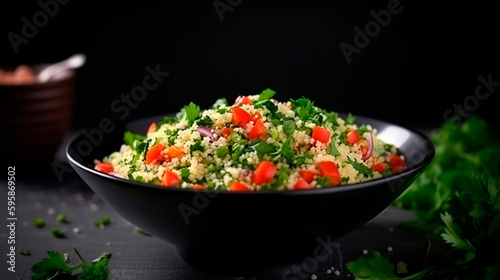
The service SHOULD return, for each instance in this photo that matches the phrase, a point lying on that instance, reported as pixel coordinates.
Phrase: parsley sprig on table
(457, 202)
(55, 267)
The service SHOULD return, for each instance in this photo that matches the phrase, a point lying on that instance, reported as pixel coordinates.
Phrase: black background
(426, 60)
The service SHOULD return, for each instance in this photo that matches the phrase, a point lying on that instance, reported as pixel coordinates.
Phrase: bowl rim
(422, 164)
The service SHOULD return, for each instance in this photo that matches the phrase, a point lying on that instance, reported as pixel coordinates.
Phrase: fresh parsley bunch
(456, 201)
(55, 267)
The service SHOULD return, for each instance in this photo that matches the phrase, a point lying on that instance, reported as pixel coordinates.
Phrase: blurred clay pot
(34, 117)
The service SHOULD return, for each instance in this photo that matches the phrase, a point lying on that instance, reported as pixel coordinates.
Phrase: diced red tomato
(264, 173)
(155, 153)
(352, 137)
(151, 128)
(321, 134)
(170, 179)
(364, 150)
(397, 163)
(174, 151)
(380, 167)
(239, 187)
(307, 175)
(243, 99)
(104, 167)
(301, 184)
(258, 131)
(198, 187)
(329, 169)
(226, 131)
(240, 117)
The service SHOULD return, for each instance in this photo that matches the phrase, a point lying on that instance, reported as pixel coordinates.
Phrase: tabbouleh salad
(255, 144)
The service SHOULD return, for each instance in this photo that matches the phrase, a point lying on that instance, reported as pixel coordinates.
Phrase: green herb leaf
(288, 127)
(166, 120)
(263, 148)
(58, 232)
(350, 119)
(286, 150)
(452, 235)
(377, 267)
(24, 252)
(54, 266)
(185, 173)
(62, 218)
(361, 168)
(197, 146)
(323, 182)
(332, 149)
(205, 121)
(50, 267)
(39, 222)
(129, 138)
(192, 112)
(222, 151)
(304, 108)
(141, 231)
(266, 94)
(221, 102)
(97, 270)
(103, 221)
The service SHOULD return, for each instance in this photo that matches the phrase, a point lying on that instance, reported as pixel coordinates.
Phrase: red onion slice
(370, 146)
(205, 131)
(246, 174)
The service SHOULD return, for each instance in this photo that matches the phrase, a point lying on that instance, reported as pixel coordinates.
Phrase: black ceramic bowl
(248, 230)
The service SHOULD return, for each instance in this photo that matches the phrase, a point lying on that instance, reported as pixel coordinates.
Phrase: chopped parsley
(303, 108)
(130, 138)
(39, 222)
(62, 218)
(222, 151)
(103, 221)
(288, 127)
(197, 146)
(263, 148)
(58, 232)
(185, 173)
(350, 119)
(361, 168)
(24, 252)
(332, 149)
(205, 121)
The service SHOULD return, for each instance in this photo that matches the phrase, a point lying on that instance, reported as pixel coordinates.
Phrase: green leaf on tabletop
(62, 218)
(24, 252)
(50, 267)
(377, 267)
(55, 267)
(141, 231)
(103, 221)
(39, 222)
(58, 232)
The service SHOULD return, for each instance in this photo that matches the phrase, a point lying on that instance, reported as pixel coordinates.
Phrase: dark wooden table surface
(139, 256)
